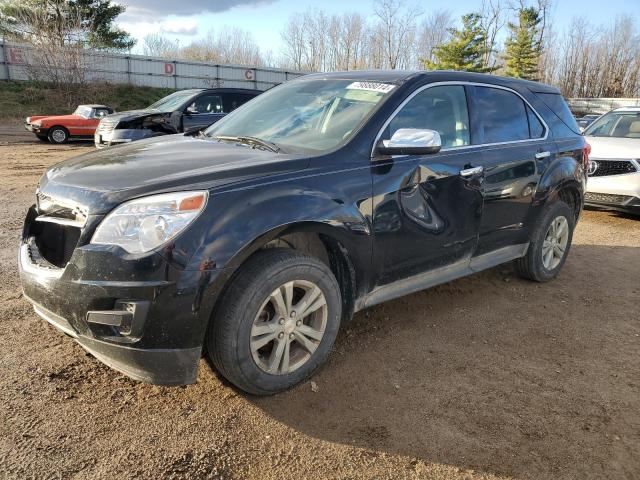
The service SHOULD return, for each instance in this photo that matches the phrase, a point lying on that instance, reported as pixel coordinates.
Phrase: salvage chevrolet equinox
(254, 240)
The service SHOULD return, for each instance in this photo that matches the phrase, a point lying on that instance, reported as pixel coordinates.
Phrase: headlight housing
(146, 223)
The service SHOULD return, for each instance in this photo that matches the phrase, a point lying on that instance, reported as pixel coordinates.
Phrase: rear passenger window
(503, 115)
(234, 100)
(536, 129)
(443, 109)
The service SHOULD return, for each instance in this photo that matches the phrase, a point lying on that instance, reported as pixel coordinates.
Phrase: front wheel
(277, 322)
(58, 135)
(549, 245)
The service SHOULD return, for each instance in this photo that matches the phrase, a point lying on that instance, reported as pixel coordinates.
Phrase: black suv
(256, 239)
(182, 111)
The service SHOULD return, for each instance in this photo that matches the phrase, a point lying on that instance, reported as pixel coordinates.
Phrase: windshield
(83, 111)
(307, 115)
(616, 124)
(172, 102)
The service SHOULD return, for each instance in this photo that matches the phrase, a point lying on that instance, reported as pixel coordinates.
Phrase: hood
(55, 118)
(611, 147)
(103, 179)
(133, 114)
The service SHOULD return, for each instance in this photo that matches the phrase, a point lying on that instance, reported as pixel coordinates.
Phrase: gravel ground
(486, 377)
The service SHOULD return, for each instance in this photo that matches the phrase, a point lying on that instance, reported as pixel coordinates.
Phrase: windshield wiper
(255, 141)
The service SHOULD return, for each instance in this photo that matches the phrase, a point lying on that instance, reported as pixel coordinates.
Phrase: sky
(188, 20)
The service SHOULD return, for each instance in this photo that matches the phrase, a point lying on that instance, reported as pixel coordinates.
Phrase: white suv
(614, 169)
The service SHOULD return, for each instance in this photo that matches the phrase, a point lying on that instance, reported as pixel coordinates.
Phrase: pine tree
(523, 47)
(89, 23)
(464, 51)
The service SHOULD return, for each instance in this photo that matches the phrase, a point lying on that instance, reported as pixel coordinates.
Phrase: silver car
(614, 167)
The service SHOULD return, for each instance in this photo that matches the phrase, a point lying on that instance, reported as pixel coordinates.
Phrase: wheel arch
(563, 180)
(320, 240)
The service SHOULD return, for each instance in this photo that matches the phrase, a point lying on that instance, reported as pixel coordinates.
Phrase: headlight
(37, 123)
(146, 223)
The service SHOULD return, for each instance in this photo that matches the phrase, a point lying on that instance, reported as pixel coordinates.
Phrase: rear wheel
(277, 322)
(550, 244)
(58, 135)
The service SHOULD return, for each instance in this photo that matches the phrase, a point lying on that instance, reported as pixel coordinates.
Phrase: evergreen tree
(89, 23)
(464, 51)
(523, 47)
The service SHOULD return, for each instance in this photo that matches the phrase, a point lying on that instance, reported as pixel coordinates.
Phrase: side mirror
(411, 141)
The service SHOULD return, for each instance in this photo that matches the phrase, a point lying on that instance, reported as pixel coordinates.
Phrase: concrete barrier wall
(17, 64)
(600, 105)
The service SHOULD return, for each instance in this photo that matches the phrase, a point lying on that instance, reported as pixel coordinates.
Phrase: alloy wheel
(555, 243)
(288, 327)
(58, 135)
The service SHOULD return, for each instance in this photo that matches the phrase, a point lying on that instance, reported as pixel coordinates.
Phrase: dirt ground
(486, 377)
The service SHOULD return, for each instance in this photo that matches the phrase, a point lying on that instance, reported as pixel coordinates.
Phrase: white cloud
(141, 9)
(183, 26)
(187, 26)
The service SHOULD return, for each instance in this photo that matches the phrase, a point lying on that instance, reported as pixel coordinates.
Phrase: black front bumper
(164, 344)
(177, 366)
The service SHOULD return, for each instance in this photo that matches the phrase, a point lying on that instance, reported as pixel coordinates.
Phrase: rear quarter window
(559, 107)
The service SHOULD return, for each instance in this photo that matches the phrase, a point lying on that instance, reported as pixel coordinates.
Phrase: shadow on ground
(492, 373)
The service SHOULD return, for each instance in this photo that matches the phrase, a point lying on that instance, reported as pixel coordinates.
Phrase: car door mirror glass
(411, 141)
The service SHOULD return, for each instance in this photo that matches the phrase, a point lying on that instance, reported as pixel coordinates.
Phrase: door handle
(541, 155)
(470, 172)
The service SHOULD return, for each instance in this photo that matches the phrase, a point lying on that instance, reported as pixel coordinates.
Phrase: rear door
(517, 147)
(231, 101)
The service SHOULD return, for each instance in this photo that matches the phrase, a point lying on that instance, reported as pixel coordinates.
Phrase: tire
(58, 135)
(533, 266)
(249, 315)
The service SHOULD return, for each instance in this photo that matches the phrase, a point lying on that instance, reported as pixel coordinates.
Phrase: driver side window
(206, 104)
(443, 109)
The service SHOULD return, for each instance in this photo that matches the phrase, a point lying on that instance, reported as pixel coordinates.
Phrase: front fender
(245, 226)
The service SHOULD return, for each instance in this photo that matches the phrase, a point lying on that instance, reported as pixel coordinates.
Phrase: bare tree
(433, 31)
(493, 20)
(229, 45)
(396, 31)
(157, 45)
(293, 38)
(590, 61)
(316, 41)
(583, 60)
(55, 52)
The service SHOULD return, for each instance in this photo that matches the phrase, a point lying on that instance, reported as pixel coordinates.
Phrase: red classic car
(59, 128)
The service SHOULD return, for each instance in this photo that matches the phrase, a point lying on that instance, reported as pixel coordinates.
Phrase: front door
(427, 209)
(204, 111)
